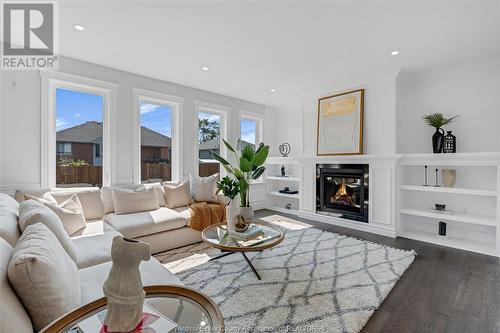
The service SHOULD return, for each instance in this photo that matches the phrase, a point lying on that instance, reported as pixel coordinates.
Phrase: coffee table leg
(221, 256)
(250, 264)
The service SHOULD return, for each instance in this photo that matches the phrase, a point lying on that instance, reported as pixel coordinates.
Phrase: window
(79, 131)
(209, 142)
(250, 131)
(155, 141)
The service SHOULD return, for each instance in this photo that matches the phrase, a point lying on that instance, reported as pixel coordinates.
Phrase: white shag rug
(314, 281)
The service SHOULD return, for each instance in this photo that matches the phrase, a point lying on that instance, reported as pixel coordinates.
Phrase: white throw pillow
(44, 276)
(71, 214)
(46, 198)
(128, 201)
(178, 196)
(31, 212)
(91, 202)
(204, 188)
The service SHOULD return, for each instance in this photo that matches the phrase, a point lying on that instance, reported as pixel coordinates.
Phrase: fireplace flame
(342, 191)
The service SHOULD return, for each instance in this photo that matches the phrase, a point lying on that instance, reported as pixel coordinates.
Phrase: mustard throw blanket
(204, 214)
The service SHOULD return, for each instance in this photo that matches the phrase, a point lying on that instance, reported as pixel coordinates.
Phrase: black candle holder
(437, 182)
(425, 176)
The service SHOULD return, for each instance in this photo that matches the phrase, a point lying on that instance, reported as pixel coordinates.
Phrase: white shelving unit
(474, 224)
(275, 182)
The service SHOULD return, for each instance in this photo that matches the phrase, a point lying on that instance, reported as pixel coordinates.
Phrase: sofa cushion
(9, 215)
(13, 316)
(152, 273)
(145, 223)
(93, 243)
(128, 201)
(44, 276)
(178, 196)
(70, 212)
(31, 212)
(90, 199)
(107, 194)
(204, 188)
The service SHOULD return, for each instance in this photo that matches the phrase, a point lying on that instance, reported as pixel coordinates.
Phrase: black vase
(438, 141)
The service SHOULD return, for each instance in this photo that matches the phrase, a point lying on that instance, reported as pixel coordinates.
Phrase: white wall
(20, 120)
(471, 91)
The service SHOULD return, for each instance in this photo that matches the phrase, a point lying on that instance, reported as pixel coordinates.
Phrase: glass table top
(218, 236)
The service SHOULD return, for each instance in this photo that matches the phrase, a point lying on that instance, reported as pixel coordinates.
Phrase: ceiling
(297, 48)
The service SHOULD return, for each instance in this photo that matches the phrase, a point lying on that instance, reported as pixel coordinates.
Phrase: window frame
(176, 104)
(50, 82)
(258, 118)
(223, 112)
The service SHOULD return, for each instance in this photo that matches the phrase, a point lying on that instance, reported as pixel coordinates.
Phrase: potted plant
(249, 168)
(437, 120)
(230, 188)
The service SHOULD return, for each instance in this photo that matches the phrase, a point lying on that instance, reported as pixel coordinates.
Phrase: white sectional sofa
(163, 229)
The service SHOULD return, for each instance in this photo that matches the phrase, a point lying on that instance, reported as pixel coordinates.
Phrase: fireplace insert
(342, 190)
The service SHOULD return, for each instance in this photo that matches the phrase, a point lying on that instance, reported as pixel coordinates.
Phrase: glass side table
(169, 308)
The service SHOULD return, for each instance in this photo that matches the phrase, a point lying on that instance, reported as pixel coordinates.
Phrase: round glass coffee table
(166, 309)
(218, 236)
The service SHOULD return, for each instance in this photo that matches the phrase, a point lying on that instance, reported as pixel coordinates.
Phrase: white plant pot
(232, 210)
(247, 213)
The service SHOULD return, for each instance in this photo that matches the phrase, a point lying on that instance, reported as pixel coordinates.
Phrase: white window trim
(224, 112)
(176, 104)
(52, 80)
(259, 118)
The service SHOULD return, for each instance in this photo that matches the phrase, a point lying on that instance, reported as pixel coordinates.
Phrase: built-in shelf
(481, 220)
(281, 160)
(458, 159)
(454, 190)
(278, 194)
(291, 179)
(454, 242)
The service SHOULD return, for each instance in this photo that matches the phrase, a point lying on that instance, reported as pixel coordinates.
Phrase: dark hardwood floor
(444, 290)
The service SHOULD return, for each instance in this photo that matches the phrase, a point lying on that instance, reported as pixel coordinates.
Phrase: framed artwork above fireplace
(340, 124)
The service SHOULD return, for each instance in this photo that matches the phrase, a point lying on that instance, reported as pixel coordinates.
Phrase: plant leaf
(261, 156)
(245, 165)
(248, 152)
(228, 145)
(220, 159)
(257, 173)
(261, 145)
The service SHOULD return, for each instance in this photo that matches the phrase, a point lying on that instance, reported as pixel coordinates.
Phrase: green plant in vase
(249, 167)
(229, 187)
(437, 120)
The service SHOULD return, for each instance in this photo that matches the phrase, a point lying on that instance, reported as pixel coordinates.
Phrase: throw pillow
(71, 214)
(204, 188)
(31, 212)
(178, 196)
(46, 198)
(44, 276)
(128, 201)
(90, 199)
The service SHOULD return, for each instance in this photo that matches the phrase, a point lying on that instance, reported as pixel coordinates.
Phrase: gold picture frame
(340, 124)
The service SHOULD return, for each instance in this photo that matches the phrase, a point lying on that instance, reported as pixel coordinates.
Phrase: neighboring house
(206, 148)
(84, 142)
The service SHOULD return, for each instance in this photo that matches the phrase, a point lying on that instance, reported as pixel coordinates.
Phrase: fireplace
(342, 190)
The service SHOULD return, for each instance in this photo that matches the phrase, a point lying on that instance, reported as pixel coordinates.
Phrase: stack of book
(252, 232)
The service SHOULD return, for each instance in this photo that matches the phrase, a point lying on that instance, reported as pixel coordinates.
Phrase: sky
(74, 108)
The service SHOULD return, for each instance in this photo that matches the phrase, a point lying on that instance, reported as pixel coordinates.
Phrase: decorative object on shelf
(283, 171)
(288, 206)
(340, 124)
(241, 225)
(442, 229)
(285, 149)
(437, 120)
(437, 179)
(425, 176)
(230, 188)
(249, 168)
(440, 207)
(287, 190)
(450, 143)
(123, 289)
(449, 177)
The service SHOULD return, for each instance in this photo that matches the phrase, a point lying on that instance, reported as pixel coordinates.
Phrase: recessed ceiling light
(79, 27)
(272, 90)
(394, 53)
(204, 68)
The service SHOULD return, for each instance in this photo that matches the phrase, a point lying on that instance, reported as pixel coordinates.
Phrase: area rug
(314, 281)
